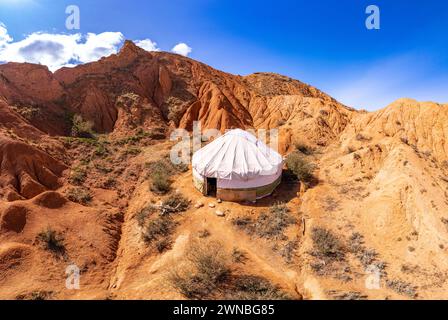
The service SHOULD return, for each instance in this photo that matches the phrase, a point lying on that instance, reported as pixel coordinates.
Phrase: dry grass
(79, 195)
(300, 167)
(52, 241)
(326, 245)
(161, 226)
(267, 225)
(208, 274)
(160, 173)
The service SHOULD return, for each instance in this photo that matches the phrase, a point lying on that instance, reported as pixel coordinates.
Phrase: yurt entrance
(210, 187)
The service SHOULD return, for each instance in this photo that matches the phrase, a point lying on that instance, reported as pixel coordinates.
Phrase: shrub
(326, 244)
(36, 295)
(289, 250)
(272, 224)
(303, 148)
(133, 151)
(51, 240)
(210, 269)
(350, 150)
(208, 275)
(160, 183)
(267, 225)
(109, 183)
(81, 128)
(300, 167)
(361, 137)
(249, 287)
(79, 195)
(162, 226)
(101, 150)
(160, 173)
(175, 203)
(28, 112)
(402, 287)
(78, 176)
(163, 244)
(143, 215)
(204, 233)
(238, 256)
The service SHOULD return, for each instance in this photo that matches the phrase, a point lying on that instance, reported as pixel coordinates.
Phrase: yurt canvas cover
(237, 166)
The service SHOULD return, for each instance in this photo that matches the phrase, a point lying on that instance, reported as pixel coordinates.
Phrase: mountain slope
(381, 184)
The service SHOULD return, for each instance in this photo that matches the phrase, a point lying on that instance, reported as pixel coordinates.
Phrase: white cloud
(5, 38)
(147, 44)
(182, 49)
(68, 50)
(58, 50)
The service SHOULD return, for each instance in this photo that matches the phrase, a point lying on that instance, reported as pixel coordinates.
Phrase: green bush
(300, 167)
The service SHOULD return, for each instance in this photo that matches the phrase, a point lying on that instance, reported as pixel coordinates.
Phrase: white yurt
(237, 166)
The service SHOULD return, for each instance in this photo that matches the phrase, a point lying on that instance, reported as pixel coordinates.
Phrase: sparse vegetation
(402, 287)
(209, 275)
(304, 148)
(143, 214)
(161, 226)
(267, 225)
(101, 150)
(36, 295)
(162, 244)
(288, 251)
(79, 195)
(133, 151)
(28, 112)
(300, 167)
(238, 256)
(160, 183)
(210, 269)
(350, 150)
(52, 241)
(361, 137)
(326, 245)
(249, 287)
(204, 233)
(78, 175)
(175, 203)
(160, 173)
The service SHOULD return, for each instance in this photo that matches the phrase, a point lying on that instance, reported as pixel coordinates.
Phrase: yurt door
(211, 187)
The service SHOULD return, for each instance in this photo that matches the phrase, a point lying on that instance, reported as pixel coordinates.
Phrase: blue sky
(324, 43)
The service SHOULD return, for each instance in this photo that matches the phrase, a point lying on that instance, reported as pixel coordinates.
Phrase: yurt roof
(237, 155)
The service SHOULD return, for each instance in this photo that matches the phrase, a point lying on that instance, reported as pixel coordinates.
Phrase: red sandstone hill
(381, 182)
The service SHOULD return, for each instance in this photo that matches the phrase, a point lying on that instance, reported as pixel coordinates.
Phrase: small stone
(211, 205)
(198, 205)
(219, 213)
(219, 200)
